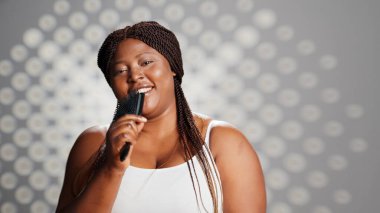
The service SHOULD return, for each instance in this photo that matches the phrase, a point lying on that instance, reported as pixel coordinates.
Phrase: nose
(135, 75)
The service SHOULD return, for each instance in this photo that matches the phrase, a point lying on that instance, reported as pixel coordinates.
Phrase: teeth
(145, 90)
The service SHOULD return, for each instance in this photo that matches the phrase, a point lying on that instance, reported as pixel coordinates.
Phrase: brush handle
(124, 151)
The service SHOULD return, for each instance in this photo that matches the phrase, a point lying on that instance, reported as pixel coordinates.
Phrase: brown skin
(153, 138)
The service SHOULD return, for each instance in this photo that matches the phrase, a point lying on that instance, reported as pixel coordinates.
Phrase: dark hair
(166, 43)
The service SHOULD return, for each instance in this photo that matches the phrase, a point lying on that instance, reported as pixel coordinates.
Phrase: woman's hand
(124, 130)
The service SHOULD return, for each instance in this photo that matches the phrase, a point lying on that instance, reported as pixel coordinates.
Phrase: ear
(173, 73)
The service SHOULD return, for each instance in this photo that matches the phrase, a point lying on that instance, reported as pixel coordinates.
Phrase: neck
(162, 127)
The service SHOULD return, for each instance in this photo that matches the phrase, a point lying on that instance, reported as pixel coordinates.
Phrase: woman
(178, 161)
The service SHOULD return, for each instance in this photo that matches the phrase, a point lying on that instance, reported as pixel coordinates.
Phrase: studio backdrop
(296, 77)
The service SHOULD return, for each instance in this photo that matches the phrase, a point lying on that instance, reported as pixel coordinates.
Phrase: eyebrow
(138, 55)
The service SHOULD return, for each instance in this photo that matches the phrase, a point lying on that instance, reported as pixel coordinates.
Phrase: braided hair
(166, 43)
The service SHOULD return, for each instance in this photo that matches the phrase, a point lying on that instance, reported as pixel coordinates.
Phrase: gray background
(347, 30)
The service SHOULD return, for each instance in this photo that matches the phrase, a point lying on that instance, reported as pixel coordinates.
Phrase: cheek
(119, 88)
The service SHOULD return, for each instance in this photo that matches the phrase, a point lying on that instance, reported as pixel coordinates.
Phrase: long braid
(193, 143)
(166, 43)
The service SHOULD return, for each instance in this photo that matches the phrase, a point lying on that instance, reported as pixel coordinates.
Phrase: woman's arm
(101, 191)
(94, 196)
(240, 171)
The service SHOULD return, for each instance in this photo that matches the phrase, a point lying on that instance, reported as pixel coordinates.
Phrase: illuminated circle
(307, 80)
(280, 207)
(342, 196)
(78, 20)
(94, 34)
(310, 113)
(39, 206)
(266, 50)
(63, 35)
(109, 18)
(270, 114)
(249, 68)
(251, 99)
(48, 51)
(192, 26)
(51, 194)
(227, 22)
(294, 162)
(34, 66)
(354, 111)
(317, 179)
(244, 5)
(154, 3)
(47, 22)
(306, 47)
(24, 194)
(273, 147)
(229, 53)
(333, 128)
(291, 130)
(337, 162)
(23, 166)
(313, 146)
(7, 124)
(285, 33)
(174, 12)
(61, 7)
(289, 97)
(8, 207)
(141, 14)
(328, 62)
(36, 95)
(6, 67)
(254, 131)
(358, 145)
(268, 82)
(22, 137)
(127, 4)
(330, 95)
(210, 39)
(8, 152)
(8, 180)
(265, 18)
(321, 209)
(92, 6)
(39, 180)
(7, 95)
(208, 8)
(286, 65)
(33, 37)
(21, 109)
(246, 36)
(298, 195)
(19, 53)
(38, 151)
(277, 179)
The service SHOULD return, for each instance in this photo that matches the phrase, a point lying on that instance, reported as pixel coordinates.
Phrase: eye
(146, 62)
(120, 71)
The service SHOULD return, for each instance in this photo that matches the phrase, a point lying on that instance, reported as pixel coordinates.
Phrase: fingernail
(143, 119)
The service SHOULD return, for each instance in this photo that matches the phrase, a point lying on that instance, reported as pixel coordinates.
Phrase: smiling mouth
(145, 90)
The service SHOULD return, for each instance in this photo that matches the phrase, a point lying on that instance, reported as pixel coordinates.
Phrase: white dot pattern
(282, 104)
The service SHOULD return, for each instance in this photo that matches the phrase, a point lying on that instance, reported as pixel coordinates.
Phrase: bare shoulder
(239, 168)
(79, 162)
(87, 143)
(224, 137)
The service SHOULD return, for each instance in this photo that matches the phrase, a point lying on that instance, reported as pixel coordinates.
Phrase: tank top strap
(211, 125)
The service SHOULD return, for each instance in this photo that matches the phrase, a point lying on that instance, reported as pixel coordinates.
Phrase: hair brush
(132, 104)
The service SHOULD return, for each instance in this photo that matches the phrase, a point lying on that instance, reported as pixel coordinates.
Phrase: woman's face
(138, 67)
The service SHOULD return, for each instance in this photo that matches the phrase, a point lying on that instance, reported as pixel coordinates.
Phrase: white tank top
(168, 190)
